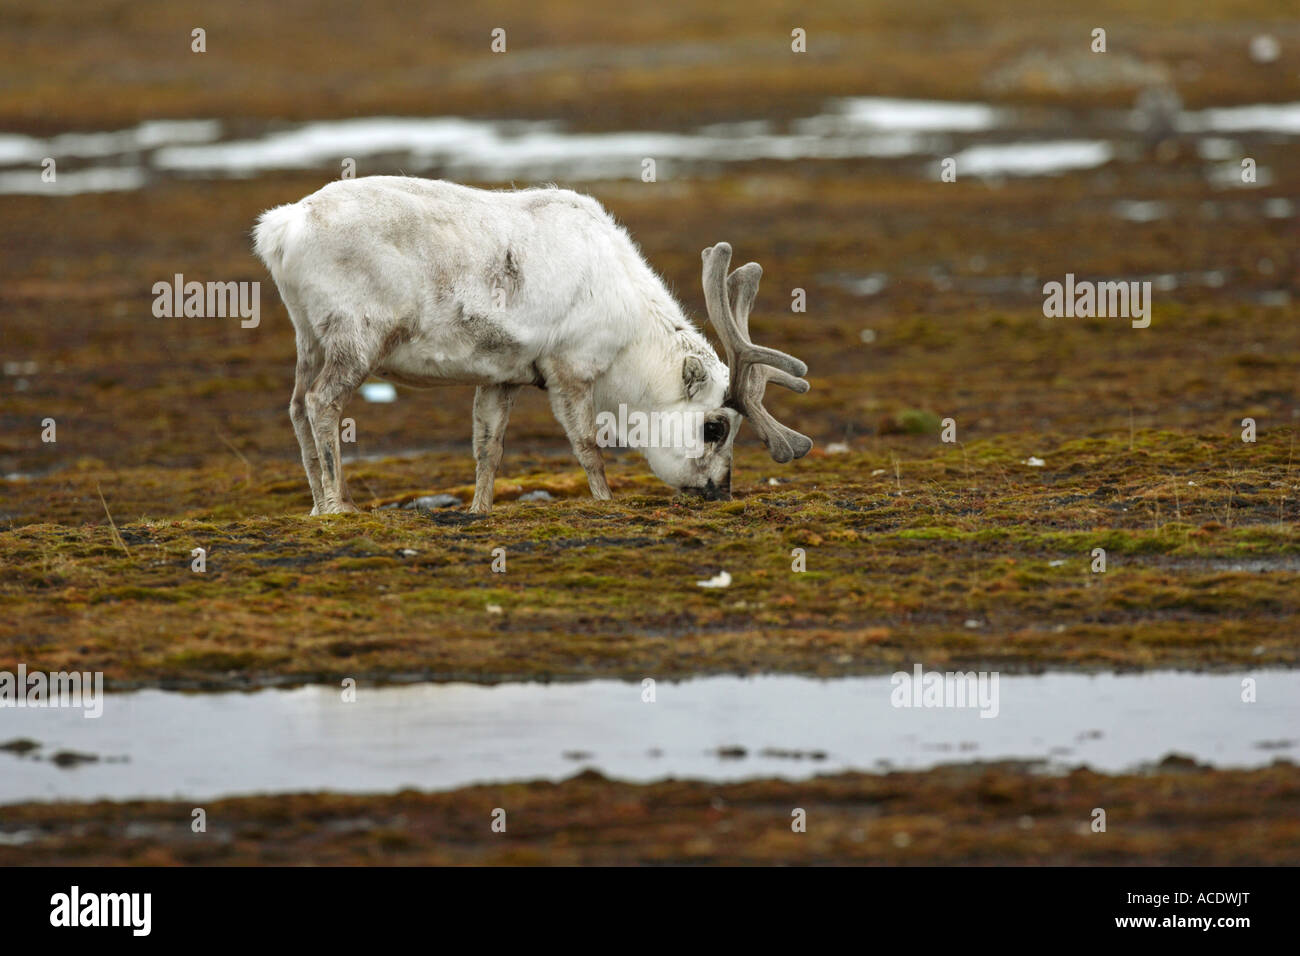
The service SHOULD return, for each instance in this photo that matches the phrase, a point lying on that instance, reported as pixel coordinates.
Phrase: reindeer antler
(752, 366)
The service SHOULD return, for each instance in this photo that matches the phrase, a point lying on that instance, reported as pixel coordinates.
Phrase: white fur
(432, 283)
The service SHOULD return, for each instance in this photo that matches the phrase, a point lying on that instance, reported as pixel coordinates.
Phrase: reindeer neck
(647, 374)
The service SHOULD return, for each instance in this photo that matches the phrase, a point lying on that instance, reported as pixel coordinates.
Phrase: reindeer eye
(715, 431)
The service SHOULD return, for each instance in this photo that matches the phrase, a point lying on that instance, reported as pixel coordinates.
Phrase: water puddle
(148, 136)
(902, 115)
(440, 736)
(1282, 118)
(501, 151)
(74, 182)
(986, 141)
(1033, 159)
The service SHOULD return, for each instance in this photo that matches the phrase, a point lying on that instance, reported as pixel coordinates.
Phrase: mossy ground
(182, 425)
(961, 555)
(96, 63)
(977, 814)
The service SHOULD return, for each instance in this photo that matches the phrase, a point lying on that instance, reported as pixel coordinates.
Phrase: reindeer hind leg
(310, 360)
(346, 365)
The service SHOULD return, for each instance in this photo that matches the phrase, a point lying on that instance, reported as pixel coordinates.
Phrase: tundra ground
(1176, 814)
(960, 551)
(948, 553)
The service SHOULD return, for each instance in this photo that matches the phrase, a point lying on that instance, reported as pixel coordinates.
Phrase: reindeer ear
(694, 375)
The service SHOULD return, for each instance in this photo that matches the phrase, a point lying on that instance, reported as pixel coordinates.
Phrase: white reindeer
(430, 283)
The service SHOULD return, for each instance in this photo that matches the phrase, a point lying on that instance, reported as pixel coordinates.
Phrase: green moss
(133, 593)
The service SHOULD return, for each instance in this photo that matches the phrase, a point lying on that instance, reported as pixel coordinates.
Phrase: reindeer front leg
(574, 408)
(492, 404)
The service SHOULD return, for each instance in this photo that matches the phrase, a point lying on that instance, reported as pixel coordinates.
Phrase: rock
(432, 502)
(1264, 48)
(538, 495)
(70, 758)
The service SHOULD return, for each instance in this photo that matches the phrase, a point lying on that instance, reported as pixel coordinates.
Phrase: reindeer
(427, 283)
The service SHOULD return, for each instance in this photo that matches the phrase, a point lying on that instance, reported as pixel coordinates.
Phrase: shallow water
(1283, 118)
(1033, 159)
(441, 736)
(987, 141)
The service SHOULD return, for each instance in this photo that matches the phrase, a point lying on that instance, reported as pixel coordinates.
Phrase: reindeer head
(707, 469)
